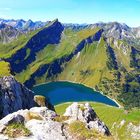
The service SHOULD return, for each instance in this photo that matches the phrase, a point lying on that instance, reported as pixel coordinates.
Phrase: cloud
(7, 9)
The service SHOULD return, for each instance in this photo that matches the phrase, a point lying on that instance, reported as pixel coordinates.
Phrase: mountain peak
(3, 25)
(29, 20)
(56, 20)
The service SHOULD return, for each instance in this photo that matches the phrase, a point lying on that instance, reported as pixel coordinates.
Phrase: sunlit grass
(4, 69)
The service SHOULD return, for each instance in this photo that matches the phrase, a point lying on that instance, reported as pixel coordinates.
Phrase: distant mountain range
(11, 29)
(112, 29)
(8, 33)
(22, 24)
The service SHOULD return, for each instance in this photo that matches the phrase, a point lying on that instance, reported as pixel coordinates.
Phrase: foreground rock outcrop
(42, 124)
(39, 122)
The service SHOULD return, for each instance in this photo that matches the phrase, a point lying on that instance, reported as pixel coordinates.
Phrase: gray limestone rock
(85, 113)
(14, 96)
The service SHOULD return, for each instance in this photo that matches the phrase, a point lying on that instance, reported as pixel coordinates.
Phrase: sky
(73, 11)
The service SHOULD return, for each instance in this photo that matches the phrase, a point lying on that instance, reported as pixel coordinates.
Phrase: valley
(101, 56)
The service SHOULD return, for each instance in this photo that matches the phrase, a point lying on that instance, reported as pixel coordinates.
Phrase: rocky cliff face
(8, 33)
(14, 96)
(118, 30)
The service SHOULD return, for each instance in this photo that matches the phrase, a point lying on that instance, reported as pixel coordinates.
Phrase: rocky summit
(8, 33)
(42, 123)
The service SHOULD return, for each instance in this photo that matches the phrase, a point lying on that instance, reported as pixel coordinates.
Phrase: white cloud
(7, 9)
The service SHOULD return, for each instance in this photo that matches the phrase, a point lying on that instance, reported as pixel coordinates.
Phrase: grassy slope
(92, 59)
(122, 57)
(110, 115)
(4, 69)
(7, 50)
(69, 41)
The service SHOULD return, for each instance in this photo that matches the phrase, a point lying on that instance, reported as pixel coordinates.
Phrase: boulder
(9, 119)
(85, 113)
(41, 101)
(12, 118)
(45, 130)
(40, 124)
(80, 112)
(134, 131)
(44, 112)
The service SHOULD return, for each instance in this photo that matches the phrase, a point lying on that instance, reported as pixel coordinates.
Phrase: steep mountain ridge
(26, 55)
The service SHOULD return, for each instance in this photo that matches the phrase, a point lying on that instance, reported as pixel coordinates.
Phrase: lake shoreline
(119, 106)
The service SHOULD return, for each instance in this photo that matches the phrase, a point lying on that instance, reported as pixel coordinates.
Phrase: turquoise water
(60, 92)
